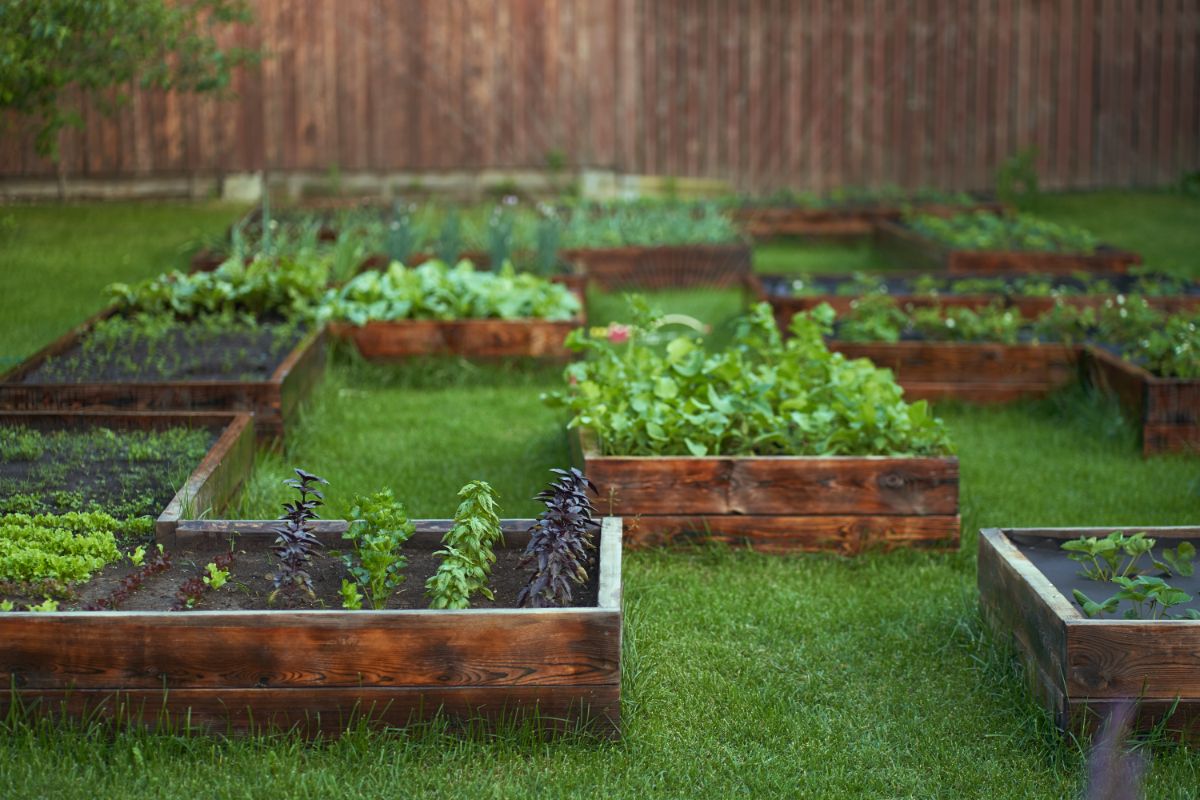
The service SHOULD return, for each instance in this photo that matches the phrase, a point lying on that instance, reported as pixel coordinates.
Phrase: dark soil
(182, 353)
(248, 586)
(1049, 557)
(122, 473)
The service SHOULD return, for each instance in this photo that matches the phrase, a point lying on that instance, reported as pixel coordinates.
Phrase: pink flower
(618, 333)
(572, 380)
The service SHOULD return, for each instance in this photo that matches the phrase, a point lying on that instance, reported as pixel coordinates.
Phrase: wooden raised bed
(918, 250)
(1080, 668)
(1030, 307)
(214, 482)
(778, 504)
(665, 267)
(1167, 410)
(273, 401)
(317, 670)
(971, 371)
(769, 222)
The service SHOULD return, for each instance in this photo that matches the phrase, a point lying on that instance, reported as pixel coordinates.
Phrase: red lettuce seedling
(560, 540)
(131, 583)
(294, 539)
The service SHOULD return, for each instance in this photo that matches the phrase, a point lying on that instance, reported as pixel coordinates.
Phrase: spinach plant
(559, 541)
(380, 527)
(466, 552)
(294, 540)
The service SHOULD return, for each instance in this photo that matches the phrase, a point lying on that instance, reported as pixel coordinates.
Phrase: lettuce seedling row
(318, 670)
(1081, 668)
(779, 504)
(211, 485)
(273, 401)
(1166, 410)
(918, 250)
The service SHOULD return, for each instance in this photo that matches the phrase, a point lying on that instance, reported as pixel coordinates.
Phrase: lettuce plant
(294, 539)
(559, 541)
(466, 552)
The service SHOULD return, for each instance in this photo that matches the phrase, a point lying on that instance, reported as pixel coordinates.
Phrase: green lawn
(746, 675)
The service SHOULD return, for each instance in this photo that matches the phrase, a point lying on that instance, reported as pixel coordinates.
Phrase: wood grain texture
(1166, 409)
(272, 401)
(483, 338)
(1078, 667)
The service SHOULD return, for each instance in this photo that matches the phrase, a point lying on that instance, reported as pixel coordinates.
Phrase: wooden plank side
(330, 711)
(280, 649)
(953, 362)
(1112, 659)
(845, 535)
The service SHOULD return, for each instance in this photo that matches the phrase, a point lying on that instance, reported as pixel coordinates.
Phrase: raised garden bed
(975, 372)
(63, 376)
(1080, 668)
(665, 267)
(1167, 410)
(468, 338)
(55, 481)
(778, 504)
(768, 222)
(317, 670)
(921, 251)
(906, 289)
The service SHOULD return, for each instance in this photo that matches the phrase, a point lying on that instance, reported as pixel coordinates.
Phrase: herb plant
(653, 393)
(559, 541)
(294, 539)
(380, 528)
(466, 552)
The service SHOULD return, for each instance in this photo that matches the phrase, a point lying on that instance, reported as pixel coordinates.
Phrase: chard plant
(295, 542)
(380, 528)
(560, 541)
(467, 550)
(1119, 559)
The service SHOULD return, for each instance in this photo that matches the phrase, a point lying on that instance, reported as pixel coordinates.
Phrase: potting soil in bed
(249, 587)
(1052, 561)
(122, 473)
(119, 350)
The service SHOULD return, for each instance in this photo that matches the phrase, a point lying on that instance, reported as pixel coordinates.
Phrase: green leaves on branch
(650, 392)
(50, 46)
(466, 552)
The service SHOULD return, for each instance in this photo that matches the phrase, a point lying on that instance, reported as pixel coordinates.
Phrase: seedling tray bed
(316, 670)
(918, 250)
(975, 372)
(779, 504)
(1167, 410)
(212, 484)
(777, 290)
(273, 400)
(665, 267)
(1080, 668)
(767, 222)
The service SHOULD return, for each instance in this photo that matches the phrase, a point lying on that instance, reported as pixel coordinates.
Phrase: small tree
(48, 47)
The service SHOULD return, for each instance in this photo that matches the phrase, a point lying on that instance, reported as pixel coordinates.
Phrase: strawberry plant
(559, 541)
(380, 527)
(1117, 558)
(294, 539)
(649, 392)
(466, 552)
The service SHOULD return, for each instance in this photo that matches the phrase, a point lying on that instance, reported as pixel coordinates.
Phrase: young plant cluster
(65, 548)
(653, 393)
(380, 528)
(295, 541)
(981, 230)
(1118, 559)
(467, 550)
(852, 197)
(436, 291)
(131, 583)
(192, 591)
(560, 541)
(641, 223)
(1082, 284)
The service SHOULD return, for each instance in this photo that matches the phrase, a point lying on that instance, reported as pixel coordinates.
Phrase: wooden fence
(763, 93)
